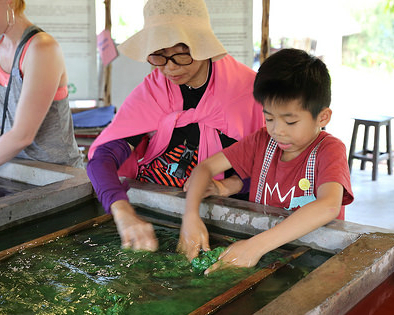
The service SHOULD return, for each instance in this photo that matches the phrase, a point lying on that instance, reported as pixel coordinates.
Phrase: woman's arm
(102, 170)
(324, 209)
(43, 72)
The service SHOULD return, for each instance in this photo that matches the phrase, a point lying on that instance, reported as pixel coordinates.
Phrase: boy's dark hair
(294, 74)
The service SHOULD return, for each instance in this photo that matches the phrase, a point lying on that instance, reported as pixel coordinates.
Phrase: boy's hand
(193, 236)
(240, 254)
(134, 232)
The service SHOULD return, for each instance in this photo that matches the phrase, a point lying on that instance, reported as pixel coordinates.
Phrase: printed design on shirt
(306, 184)
(298, 202)
(158, 171)
(269, 192)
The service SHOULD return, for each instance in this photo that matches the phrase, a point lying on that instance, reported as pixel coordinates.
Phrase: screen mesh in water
(88, 273)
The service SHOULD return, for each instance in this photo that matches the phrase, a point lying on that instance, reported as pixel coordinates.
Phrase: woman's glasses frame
(174, 58)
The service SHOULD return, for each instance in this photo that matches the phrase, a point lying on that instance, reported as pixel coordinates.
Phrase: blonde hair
(18, 6)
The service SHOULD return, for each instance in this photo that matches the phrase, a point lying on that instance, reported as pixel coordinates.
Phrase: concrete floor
(373, 203)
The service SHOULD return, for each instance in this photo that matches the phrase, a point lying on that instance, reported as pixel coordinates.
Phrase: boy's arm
(224, 188)
(324, 209)
(193, 234)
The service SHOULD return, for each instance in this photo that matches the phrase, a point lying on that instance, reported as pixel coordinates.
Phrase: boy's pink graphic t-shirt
(282, 179)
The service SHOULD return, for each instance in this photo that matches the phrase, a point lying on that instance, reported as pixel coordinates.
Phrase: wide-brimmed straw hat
(170, 22)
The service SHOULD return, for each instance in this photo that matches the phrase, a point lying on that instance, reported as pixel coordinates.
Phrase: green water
(277, 283)
(88, 273)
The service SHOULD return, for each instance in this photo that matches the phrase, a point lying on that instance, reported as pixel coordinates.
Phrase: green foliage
(390, 6)
(373, 47)
(207, 259)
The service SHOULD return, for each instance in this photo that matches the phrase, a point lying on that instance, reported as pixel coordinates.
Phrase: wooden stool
(374, 155)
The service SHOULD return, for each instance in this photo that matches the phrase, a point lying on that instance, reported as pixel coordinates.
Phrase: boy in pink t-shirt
(291, 162)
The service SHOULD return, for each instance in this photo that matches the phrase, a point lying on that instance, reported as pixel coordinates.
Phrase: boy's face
(292, 127)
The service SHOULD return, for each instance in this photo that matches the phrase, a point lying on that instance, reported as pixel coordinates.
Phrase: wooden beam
(53, 236)
(265, 40)
(108, 68)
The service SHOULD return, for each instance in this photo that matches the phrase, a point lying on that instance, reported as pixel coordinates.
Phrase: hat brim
(201, 41)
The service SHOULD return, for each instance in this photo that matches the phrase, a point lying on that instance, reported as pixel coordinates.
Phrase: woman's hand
(244, 253)
(134, 232)
(193, 236)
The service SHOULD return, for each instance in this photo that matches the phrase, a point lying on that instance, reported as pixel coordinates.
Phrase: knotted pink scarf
(156, 107)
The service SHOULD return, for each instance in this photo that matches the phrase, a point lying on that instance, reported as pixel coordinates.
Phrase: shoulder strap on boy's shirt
(7, 93)
(310, 169)
(269, 152)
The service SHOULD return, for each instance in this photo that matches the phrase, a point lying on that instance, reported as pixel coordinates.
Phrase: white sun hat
(170, 22)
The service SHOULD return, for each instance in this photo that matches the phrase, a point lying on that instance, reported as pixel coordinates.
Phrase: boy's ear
(324, 117)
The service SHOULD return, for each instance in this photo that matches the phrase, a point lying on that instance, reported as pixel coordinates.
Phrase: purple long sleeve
(102, 170)
(246, 187)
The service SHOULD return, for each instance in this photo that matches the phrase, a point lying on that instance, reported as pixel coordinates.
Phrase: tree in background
(373, 47)
(390, 6)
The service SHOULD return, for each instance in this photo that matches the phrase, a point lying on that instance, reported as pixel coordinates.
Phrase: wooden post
(265, 39)
(108, 68)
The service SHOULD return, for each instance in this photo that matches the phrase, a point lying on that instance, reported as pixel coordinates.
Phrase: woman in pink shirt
(196, 101)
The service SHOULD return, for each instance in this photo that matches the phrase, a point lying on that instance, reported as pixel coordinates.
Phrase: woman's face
(193, 75)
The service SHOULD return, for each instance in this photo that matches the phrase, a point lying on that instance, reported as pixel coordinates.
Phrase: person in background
(292, 163)
(196, 101)
(35, 117)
